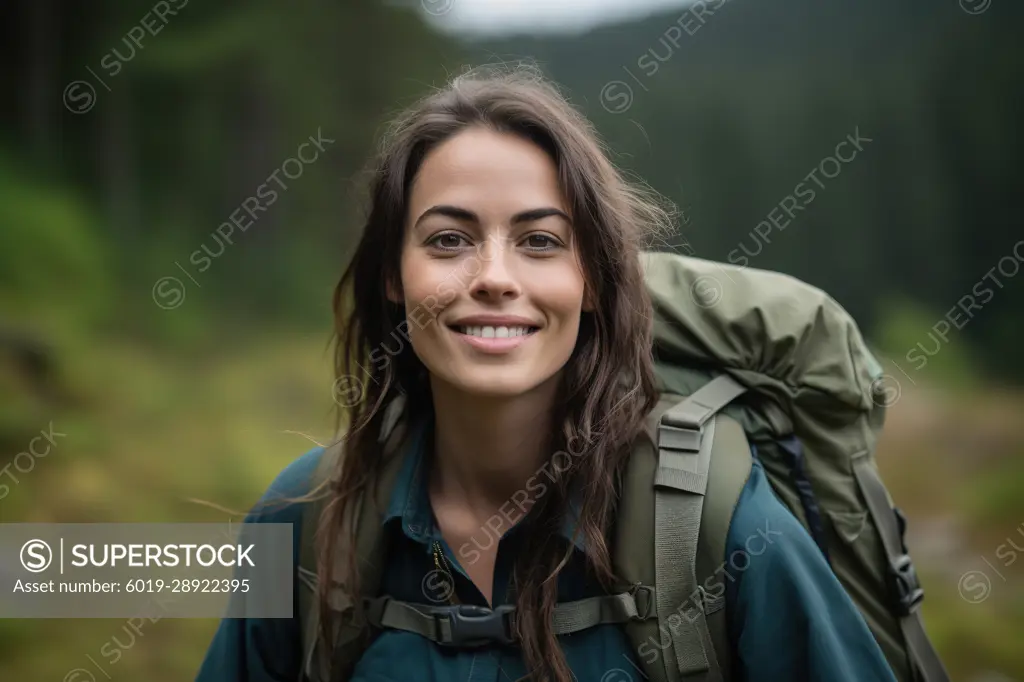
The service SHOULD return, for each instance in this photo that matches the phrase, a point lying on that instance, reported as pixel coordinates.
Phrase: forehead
(483, 170)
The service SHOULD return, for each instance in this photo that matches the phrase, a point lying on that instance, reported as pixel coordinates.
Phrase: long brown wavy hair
(608, 383)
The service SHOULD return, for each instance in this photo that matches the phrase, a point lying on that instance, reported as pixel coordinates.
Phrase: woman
(497, 287)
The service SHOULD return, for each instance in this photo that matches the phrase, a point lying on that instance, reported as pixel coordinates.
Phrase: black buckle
(906, 589)
(473, 626)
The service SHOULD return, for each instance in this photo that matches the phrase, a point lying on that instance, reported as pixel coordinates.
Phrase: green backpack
(744, 358)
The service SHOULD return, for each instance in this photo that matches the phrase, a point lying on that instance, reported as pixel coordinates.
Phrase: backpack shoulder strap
(685, 491)
(694, 468)
(729, 471)
(350, 637)
(683, 484)
(309, 608)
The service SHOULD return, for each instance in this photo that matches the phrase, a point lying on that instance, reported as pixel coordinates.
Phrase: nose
(496, 279)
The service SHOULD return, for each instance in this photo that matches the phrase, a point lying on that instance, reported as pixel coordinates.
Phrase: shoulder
(266, 648)
(279, 503)
(772, 564)
(761, 516)
(789, 616)
(766, 541)
(778, 568)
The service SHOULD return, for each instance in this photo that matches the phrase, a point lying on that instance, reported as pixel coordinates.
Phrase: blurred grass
(953, 460)
(147, 430)
(994, 495)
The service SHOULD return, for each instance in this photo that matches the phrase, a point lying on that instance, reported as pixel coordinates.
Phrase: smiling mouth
(488, 332)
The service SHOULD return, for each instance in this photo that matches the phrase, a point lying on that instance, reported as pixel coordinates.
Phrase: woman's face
(491, 284)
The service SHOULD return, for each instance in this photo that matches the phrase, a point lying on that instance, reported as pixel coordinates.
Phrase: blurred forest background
(181, 366)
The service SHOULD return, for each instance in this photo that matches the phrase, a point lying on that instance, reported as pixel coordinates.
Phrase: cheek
(562, 295)
(423, 330)
(423, 284)
(428, 290)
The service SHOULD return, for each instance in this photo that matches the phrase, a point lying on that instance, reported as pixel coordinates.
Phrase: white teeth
(495, 332)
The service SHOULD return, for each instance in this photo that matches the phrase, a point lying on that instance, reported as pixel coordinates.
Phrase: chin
(495, 387)
(506, 383)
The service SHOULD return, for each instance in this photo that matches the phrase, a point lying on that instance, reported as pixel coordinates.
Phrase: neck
(487, 449)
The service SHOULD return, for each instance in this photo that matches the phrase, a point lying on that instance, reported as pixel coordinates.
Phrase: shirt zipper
(441, 563)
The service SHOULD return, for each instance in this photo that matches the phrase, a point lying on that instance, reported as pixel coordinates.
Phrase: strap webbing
(369, 551)
(794, 455)
(924, 657)
(580, 615)
(680, 435)
(686, 436)
(704, 403)
(385, 612)
(677, 513)
(306, 571)
(730, 469)
(433, 623)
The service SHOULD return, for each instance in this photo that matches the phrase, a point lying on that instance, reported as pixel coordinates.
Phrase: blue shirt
(789, 617)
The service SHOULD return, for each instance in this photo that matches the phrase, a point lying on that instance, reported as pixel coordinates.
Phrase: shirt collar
(410, 502)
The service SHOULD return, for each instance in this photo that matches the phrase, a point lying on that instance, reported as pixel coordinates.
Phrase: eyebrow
(459, 213)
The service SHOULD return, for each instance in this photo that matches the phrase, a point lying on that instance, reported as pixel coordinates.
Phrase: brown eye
(447, 241)
(540, 242)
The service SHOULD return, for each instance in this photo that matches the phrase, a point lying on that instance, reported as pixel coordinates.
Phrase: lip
(493, 321)
(493, 345)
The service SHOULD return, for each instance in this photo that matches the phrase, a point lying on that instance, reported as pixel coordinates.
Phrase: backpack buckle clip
(686, 439)
(473, 626)
(643, 597)
(905, 585)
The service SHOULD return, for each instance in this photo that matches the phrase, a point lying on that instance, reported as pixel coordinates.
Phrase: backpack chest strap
(466, 625)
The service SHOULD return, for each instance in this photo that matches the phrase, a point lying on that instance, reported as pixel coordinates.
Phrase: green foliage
(196, 49)
(206, 400)
(974, 638)
(925, 345)
(53, 263)
(992, 497)
(730, 114)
